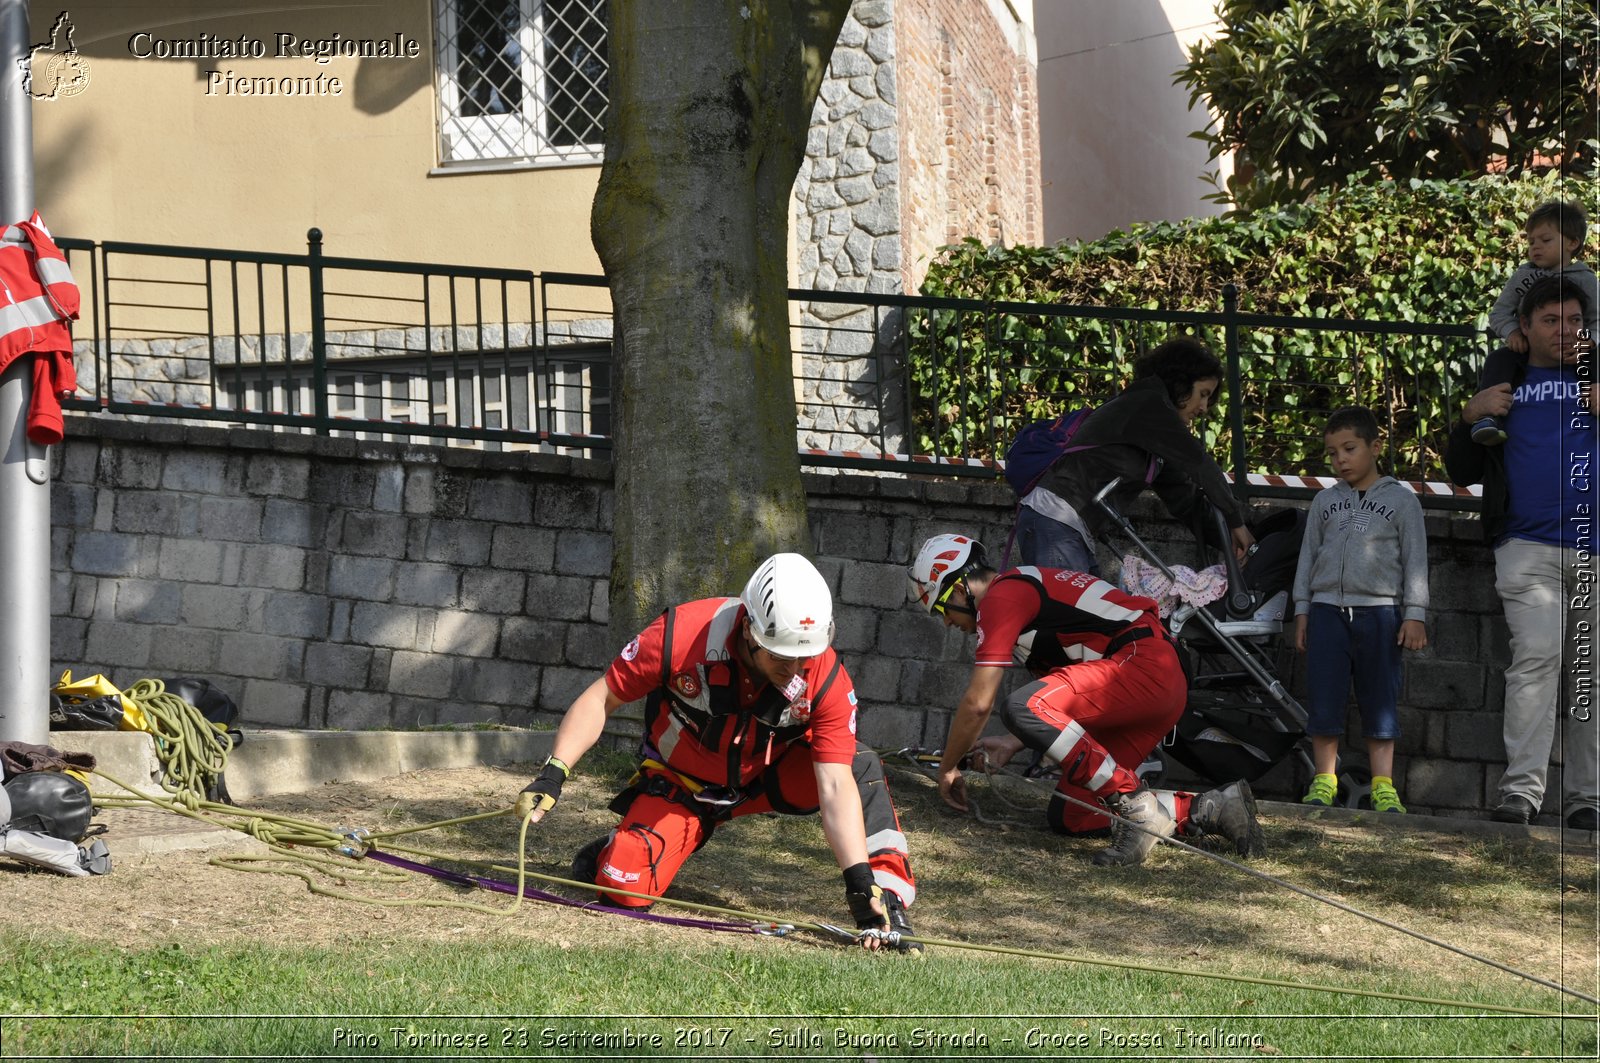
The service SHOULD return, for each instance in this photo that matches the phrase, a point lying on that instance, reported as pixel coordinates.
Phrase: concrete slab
(1480, 828)
(132, 831)
(288, 761)
(278, 762)
(281, 762)
(126, 755)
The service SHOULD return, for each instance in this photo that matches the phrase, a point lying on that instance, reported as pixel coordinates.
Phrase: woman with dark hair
(1144, 436)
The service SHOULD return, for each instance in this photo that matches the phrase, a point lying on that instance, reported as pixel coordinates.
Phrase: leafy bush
(1308, 92)
(1411, 254)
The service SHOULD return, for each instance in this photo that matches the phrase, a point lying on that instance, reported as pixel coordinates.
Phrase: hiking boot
(1324, 790)
(1514, 808)
(586, 863)
(1229, 813)
(1384, 797)
(899, 924)
(1135, 810)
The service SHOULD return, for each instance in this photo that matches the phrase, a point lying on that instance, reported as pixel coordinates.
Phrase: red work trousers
(1117, 708)
(664, 823)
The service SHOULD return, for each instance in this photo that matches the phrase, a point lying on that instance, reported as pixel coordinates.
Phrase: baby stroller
(1240, 720)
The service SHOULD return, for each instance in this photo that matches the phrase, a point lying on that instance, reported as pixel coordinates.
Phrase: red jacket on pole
(38, 297)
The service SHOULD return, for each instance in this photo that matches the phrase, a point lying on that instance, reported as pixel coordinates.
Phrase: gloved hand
(541, 795)
(860, 891)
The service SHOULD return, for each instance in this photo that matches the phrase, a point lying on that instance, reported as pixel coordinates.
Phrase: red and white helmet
(939, 563)
(789, 606)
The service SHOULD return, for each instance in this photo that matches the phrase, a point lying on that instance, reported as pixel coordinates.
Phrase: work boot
(1229, 813)
(586, 862)
(1130, 844)
(898, 923)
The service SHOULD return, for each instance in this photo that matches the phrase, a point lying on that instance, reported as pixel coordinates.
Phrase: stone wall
(925, 132)
(336, 583)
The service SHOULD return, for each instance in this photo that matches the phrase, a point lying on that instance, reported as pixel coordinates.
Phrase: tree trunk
(709, 106)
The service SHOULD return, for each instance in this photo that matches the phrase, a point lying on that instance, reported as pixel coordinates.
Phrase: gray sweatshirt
(1503, 315)
(1364, 549)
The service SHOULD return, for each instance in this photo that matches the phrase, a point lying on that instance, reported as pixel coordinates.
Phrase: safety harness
(706, 704)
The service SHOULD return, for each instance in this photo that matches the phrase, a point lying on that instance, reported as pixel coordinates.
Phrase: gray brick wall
(329, 583)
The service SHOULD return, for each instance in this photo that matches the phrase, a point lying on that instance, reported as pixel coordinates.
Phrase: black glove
(542, 793)
(859, 892)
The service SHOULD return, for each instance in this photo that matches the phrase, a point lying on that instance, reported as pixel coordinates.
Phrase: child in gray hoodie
(1360, 594)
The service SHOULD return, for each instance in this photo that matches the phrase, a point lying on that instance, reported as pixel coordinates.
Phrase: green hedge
(1419, 252)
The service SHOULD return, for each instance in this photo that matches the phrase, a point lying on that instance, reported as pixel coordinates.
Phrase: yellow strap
(694, 786)
(98, 686)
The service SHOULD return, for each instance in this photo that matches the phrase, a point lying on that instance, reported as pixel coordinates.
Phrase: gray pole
(24, 466)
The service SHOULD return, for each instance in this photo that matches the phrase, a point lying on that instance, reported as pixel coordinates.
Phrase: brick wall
(925, 132)
(969, 130)
(335, 583)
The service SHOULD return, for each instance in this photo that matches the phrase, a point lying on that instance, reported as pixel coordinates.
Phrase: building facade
(471, 131)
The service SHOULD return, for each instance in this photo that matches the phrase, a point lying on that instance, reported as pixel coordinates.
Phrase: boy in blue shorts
(1360, 594)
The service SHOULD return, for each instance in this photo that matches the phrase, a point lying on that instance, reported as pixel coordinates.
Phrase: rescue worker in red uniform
(1108, 686)
(747, 710)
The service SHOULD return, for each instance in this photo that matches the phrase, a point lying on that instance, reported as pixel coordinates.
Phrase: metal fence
(340, 346)
(510, 359)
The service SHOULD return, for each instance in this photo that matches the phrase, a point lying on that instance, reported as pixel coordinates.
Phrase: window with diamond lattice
(521, 80)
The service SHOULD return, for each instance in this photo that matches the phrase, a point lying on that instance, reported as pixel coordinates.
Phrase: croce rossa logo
(53, 69)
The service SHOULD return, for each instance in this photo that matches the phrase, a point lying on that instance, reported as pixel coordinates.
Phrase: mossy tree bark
(710, 104)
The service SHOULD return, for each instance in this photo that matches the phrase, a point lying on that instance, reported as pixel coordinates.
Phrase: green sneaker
(1384, 798)
(1324, 788)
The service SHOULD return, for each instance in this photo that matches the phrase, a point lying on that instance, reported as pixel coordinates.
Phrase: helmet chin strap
(952, 607)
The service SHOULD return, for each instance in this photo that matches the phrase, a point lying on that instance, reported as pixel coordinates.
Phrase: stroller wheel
(1153, 771)
(1355, 787)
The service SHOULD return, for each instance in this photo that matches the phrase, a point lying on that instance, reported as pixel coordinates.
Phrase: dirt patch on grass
(1005, 882)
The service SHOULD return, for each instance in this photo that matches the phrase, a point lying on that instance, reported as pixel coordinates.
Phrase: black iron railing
(511, 359)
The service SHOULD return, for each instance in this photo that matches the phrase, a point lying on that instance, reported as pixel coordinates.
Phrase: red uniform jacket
(37, 299)
(708, 718)
(1049, 618)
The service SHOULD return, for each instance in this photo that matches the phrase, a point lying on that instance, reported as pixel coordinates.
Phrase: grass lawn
(173, 956)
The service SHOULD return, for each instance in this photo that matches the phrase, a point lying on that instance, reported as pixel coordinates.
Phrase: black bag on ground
(50, 802)
(96, 714)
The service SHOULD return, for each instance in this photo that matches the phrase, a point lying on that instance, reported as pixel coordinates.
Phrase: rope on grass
(1303, 891)
(354, 845)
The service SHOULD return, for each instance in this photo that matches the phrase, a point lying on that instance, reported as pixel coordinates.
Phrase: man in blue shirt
(1539, 513)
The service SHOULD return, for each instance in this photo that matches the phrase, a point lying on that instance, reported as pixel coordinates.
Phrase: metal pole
(24, 466)
(1230, 333)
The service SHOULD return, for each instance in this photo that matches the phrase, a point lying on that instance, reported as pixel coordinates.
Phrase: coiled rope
(193, 751)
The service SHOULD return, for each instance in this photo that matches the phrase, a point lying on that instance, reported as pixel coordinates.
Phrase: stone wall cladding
(260, 560)
(484, 600)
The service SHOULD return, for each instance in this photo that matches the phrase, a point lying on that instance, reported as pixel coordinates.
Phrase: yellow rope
(193, 751)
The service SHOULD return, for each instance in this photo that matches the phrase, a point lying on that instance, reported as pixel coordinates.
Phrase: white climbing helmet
(940, 563)
(789, 606)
